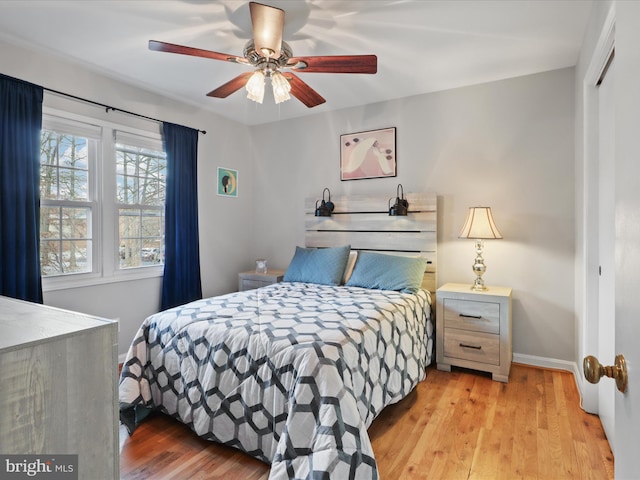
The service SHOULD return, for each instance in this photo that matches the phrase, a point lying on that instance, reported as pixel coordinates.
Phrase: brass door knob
(594, 371)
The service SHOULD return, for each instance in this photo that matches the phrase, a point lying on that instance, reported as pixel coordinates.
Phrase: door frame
(588, 257)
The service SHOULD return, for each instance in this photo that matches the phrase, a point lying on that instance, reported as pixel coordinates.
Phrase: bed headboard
(363, 221)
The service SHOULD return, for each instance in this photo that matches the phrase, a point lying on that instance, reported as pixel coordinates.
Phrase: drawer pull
(463, 345)
(470, 316)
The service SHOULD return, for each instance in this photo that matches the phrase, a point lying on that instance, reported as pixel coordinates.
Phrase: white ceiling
(422, 45)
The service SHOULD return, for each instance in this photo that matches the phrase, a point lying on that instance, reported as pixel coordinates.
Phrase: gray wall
(506, 144)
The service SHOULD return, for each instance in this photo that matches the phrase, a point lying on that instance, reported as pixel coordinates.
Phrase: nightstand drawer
(472, 315)
(473, 346)
(251, 284)
(251, 279)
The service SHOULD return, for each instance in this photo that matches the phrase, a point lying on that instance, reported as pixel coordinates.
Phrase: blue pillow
(388, 272)
(318, 265)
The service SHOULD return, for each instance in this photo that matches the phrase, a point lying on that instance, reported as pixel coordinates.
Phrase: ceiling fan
(273, 58)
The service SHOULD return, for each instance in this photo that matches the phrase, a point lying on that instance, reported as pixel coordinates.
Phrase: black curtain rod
(109, 107)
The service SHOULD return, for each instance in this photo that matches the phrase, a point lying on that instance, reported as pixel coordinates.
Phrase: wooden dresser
(58, 386)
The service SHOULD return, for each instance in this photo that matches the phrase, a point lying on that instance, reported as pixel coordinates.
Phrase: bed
(294, 373)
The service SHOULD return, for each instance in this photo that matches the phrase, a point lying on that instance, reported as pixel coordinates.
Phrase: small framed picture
(227, 182)
(369, 154)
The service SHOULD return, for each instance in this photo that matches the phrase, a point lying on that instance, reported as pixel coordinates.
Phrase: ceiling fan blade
(232, 86)
(335, 64)
(268, 24)
(195, 52)
(303, 91)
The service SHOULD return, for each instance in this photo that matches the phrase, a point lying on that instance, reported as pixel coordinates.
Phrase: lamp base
(478, 285)
(479, 267)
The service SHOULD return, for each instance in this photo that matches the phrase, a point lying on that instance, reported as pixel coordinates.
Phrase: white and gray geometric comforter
(292, 373)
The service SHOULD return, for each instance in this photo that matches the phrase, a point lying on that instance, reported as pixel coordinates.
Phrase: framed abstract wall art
(370, 154)
(227, 182)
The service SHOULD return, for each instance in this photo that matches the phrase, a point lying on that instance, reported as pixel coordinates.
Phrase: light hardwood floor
(458, 425)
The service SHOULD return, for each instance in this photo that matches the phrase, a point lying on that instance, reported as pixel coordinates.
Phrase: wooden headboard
(363, 221)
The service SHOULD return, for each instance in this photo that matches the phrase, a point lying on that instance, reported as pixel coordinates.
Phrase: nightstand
(473, 329)
(251, 279)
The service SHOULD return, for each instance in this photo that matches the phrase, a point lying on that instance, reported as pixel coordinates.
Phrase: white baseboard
(551, 363)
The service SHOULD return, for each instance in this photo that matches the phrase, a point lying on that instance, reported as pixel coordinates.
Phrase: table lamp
(479, 226)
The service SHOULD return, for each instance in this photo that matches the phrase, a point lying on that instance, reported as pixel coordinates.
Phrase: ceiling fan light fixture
(255, 86)
(281, 87)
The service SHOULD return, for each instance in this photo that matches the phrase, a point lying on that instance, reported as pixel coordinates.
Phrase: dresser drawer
(473, 346)
(472, 315)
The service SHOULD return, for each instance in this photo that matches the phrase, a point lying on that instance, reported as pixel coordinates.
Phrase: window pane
(65, 240)
(130, 253)
(141, 237)
(129, 224)
(73, 184)
(152, 223)
(48, 148)
(75, 258)
(74, 222)
(49, 222)
(48, 182)
(73, 151)
(150, 193)
(50, 257)
(152, 253)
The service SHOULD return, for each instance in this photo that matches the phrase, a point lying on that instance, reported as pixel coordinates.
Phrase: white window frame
(105, 258)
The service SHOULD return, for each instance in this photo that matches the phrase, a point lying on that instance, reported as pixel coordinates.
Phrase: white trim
(546, 362)
(603, 49)
(588, 331)
(64, 282)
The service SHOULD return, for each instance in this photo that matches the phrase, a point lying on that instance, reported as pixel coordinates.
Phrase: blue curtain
(20, 125)
(181, 281)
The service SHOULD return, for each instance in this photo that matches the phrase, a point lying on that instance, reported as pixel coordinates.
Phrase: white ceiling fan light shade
(281, 87)
(268, 24)
(255, 86)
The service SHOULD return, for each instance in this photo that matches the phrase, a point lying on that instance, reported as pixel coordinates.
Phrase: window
(67, 158)
(140, 197)
(102, 196)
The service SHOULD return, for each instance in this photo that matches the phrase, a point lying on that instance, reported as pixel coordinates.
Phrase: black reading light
(401, 207)
(325, 208)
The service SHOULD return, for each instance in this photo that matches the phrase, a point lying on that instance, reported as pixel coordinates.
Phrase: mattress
(292, 373)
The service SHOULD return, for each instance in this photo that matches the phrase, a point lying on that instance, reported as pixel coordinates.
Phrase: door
(627, 249)
(606, 245)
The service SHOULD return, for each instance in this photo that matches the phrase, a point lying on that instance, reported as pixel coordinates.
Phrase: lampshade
(281, 87)
(480, 224)
(255, 86)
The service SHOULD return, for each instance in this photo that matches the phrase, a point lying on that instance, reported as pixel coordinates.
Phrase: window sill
(92, 279)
